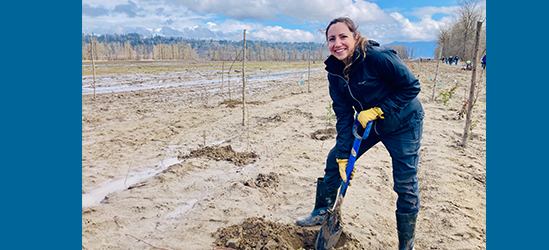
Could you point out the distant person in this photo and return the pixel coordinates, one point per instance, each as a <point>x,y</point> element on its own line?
<point>373,83</point>
<point>483,61</point>
<point>451,60</point>
<point>456,59</point>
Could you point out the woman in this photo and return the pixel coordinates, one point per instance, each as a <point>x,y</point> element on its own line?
<point>373,82</point>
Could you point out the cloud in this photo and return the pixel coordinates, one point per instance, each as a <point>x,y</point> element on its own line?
<point>232,29</point>
<point>268,10</point>
<point>225,19</point>
<point>423,30</point>
<point>279,34</point>
<point>405,30</point>
<point>237,9</point>
<point>87,10</point>
<point>130,9</point>
<point>428,12</point>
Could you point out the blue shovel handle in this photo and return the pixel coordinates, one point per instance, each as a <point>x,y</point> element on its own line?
<point>354,152</point>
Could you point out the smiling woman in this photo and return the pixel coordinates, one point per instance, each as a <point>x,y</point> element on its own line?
<point>369,85</point>
<point>341,41</point>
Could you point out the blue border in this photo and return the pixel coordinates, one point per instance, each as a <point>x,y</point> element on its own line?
<point>516,128</point>
<point>41,121</point>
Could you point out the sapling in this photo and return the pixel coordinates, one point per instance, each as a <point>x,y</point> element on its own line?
<point>330,115</point>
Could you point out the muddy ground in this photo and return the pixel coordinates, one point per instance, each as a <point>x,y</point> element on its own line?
<point>178,169</point>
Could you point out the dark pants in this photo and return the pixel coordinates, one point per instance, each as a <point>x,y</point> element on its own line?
<point>403,146</point>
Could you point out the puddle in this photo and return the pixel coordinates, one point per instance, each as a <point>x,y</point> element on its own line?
<point>112,85</point>
<point>95,197</point>
<point>218,142</point>
<point>181,210</point>
<point>88,89</point>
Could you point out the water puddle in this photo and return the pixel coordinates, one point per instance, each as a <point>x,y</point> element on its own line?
<point>116,85</point>
<point>181,210</point>
<point>95,197</point>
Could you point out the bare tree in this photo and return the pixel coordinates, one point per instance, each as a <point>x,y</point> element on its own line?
<point>401,50</point>
<point>443,40</point>
<point>469,12</point>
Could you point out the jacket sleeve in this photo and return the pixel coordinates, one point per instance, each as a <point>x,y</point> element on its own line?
<point>345,118</point>
<point>401,79</point>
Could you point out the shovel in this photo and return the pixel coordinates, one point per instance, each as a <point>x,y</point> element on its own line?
<point>332,226</point>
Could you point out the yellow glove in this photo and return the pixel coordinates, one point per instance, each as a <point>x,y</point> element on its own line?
<point>369,115</point>
<point>342,168</point>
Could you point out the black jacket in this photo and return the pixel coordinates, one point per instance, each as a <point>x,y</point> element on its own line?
<point>381,80</point>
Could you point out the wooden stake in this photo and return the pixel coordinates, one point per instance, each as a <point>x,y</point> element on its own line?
<point>309,74</point>
<point>473,86</point>
<point>244,81</point>
<point>436,72</point>
<point>222,79</point>
<point>93,64</point>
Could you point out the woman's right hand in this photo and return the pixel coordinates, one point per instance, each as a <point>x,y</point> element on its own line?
<point>343,170</point>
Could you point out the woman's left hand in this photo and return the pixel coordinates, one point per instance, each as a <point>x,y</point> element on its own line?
<point>369,115</point>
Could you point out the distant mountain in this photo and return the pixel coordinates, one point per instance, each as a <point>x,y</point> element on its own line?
<point>130,30</point>
<point>427,49</point>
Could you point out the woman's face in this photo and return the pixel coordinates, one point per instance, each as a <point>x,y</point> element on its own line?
<point>341,40</point>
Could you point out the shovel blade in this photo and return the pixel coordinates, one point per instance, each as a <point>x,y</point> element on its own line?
<point>331,229</point>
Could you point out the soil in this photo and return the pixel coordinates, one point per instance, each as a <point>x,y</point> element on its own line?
<point>214,183</point>
<point>223,153</point>
<point>259,233</point>
<point>324,134</point>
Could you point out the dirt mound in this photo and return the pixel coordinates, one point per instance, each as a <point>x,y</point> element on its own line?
<point>264,180</point>
<point>233,103</point>
<point>273,119</point>
<point>259,233</point>
<point>225,153</point>
<point>324,134</point>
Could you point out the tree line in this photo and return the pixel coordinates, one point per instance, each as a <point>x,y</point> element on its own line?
<point>457,39</point>
<point>136,47</point>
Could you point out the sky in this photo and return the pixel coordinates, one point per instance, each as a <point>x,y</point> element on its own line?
<point>385,21</point>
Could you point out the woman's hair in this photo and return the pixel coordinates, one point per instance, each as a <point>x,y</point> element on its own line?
<point>360,40</point>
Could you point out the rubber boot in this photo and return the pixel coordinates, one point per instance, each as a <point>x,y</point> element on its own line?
<point>406,225</point>
<point>325,198</point>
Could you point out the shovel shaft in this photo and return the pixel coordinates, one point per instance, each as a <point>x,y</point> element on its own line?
<point>331,229</point>
<point>354,152</point>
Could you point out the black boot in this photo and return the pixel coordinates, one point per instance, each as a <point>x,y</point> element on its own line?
<point>325,198</point>
<point>406,225</point>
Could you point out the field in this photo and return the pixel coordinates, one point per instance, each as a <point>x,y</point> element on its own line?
<point>168,164</point>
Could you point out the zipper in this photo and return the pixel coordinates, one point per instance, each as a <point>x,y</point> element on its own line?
<point>349,88</point>
<point>350,92</point>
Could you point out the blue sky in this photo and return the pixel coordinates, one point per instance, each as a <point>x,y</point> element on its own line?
<point>385,21</point>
